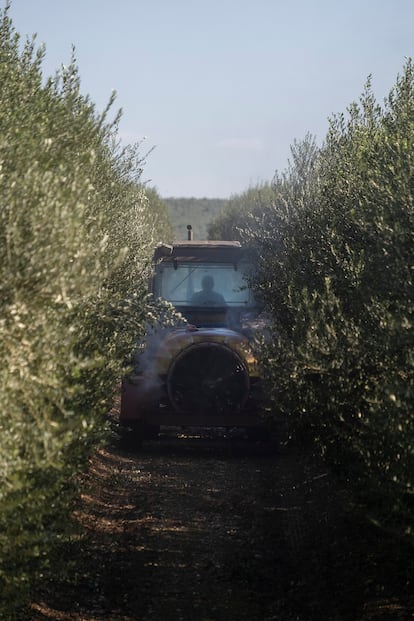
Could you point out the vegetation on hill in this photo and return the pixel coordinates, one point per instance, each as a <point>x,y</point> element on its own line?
<point>240,212</point>
<point>195,211</point>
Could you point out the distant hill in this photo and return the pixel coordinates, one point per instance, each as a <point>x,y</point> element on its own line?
<point>195,211</point>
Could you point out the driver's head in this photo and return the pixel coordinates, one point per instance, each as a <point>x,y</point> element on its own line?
<point>207,283</point>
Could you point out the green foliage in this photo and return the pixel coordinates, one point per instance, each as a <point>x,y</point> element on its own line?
<point>76,232</point>
<point>195,211</point>
<point>242,212</point>
<point>337,276</point>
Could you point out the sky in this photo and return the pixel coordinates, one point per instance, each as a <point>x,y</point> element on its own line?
<point>216,91</point>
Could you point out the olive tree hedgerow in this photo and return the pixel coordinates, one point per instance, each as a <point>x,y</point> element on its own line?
<point>337,274</point>
<point>75,234</point>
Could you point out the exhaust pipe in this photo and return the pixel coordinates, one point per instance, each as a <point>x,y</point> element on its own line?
<point>189,232</point>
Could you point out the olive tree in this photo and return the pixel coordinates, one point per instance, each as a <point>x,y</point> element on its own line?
<point>76,229</point>
<point>337,276</point>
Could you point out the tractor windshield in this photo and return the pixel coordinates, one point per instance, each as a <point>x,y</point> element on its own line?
<point>204,285</point>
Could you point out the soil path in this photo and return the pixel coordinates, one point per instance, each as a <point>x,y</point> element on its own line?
<point>210,528</point>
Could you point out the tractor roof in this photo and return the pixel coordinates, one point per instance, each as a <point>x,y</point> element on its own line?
<point>200,251</point>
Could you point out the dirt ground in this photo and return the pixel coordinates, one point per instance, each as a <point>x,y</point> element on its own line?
<point>204,526</point>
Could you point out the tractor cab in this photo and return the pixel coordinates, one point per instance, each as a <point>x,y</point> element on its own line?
<point>206,281</point>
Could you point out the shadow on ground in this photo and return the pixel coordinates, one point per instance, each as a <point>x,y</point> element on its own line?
<point>203,527</point>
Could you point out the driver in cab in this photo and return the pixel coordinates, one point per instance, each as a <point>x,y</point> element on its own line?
<point>207,296</point>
